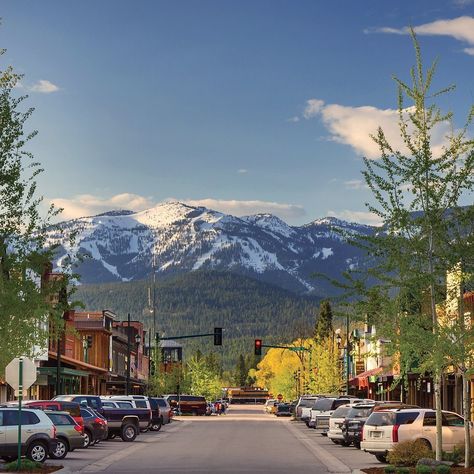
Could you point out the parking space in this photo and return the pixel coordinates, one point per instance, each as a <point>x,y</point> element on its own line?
<point>350,456</point>
<point>105,452</point>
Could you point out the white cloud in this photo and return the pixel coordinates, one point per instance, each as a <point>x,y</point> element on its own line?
<point>44,87</point>
<point>242,171</point>
<point>294,119</point>
<point>353,126</point>
<point>243,208</point>
<point>461,28</point>
<point>88,205</point>
<point>361,217</point>
<point>313,108</point>
<point>356,184</point>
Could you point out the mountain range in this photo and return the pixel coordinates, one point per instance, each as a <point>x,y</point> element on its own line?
<point>176,238</point>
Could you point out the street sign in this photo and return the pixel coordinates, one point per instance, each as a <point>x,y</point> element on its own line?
<point>280,397</point>
<point>12,373</point>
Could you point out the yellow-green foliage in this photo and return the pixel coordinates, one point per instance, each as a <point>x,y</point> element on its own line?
<point>408,453</point>
<point>320,372</point>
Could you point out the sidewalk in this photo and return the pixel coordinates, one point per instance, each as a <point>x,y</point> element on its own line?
<point>335,457</point>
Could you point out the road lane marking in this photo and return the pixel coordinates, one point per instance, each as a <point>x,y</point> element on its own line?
<point>332,463</point>
<point>103,464</point>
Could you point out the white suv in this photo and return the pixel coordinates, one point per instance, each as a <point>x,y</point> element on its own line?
<point>384,429</point>
<point>325,407</point>
<point>38,434</point>
<point>303,407</point>
<point>335,424</point>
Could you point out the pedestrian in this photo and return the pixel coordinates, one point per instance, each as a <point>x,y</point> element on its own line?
<point>218,408</point>
<point>223,407</point>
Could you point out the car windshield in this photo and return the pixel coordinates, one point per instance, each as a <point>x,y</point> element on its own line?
<point>323,404</point>
<point>306,403</point>
<point>341,412</point>
<point>361,412</point>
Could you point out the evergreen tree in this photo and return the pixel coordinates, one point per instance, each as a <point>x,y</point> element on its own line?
<point>242,371</point>
<point>324,328</point>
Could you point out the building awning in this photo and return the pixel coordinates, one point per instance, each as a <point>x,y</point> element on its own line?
<point>63,371</point>
<point>363,379</point>
<point>80,363</point>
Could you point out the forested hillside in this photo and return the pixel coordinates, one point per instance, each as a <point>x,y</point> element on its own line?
<point>198,301</point>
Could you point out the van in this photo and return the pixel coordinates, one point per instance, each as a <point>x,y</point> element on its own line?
<point>192,404</point>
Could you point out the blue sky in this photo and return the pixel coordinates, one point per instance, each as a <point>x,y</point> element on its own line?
<point>247,106</point>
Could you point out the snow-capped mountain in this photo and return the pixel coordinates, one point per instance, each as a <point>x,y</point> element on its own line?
<point>122,245</point>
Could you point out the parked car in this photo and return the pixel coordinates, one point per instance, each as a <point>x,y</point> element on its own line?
<point>336,422</point>
<point>137,401</point>
<point>38,434</point>
<point>190,404</point>
<point>283,409</point>
<point>72,408</point>
<point>384,429</point>
<point>355,419</point>
<point>123,422</point>
<point>95,426</point>
<point>116,404</point>
<point>69,434</point>
<point>267,408</point>
<point>92,401</point>
<point>324,408</point>
<point>161,413</point>
<point>304,405</point>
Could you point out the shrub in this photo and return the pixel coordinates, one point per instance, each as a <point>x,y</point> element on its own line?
<point>456,456</point>
<point>26,465</point>
<point>404,470</point>
<point>443,469</point>
<point>423,469</point>
<point>408,453</point>
<point>390,469</point>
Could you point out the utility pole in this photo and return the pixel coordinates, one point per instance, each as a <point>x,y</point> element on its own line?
<point>347,354</point>
<point>58,365</point>
<point>129,356</point>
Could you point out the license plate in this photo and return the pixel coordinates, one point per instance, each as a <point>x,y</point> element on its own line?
<point>375,434</point>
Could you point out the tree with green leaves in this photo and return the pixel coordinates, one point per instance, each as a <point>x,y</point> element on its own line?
<point>418,191</point>
<point>28,309</point>
<point>324,329</point>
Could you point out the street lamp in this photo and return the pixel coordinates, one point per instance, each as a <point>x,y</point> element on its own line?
<point>338,340</point>
<point>138,339</point>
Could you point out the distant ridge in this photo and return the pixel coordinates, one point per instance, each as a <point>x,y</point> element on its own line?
<point>119,246</point>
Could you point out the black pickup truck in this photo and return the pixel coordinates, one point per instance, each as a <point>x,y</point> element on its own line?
<point>123,422</point>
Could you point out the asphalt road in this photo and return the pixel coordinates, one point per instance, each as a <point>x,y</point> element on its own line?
<point>246,440</point>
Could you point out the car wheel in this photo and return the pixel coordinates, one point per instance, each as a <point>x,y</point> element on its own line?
<point>156,425</point>
<point>61,450</point>
<point>37,452</point>
<point>345,444</point>
<point>129,432</point>
<point>381,458</point>
<point>335,441</point>
<point>88,439</point>
<point>426,443</point>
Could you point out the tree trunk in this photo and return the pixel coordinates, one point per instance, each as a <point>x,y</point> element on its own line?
<point>467,417</point>
<point>439,417</point>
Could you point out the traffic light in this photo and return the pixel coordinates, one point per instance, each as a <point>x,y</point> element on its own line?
<point>89,342</point>
<point>258,347</point>
<point>218,336</point>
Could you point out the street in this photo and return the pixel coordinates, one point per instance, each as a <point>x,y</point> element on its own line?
<point>246,440</point>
